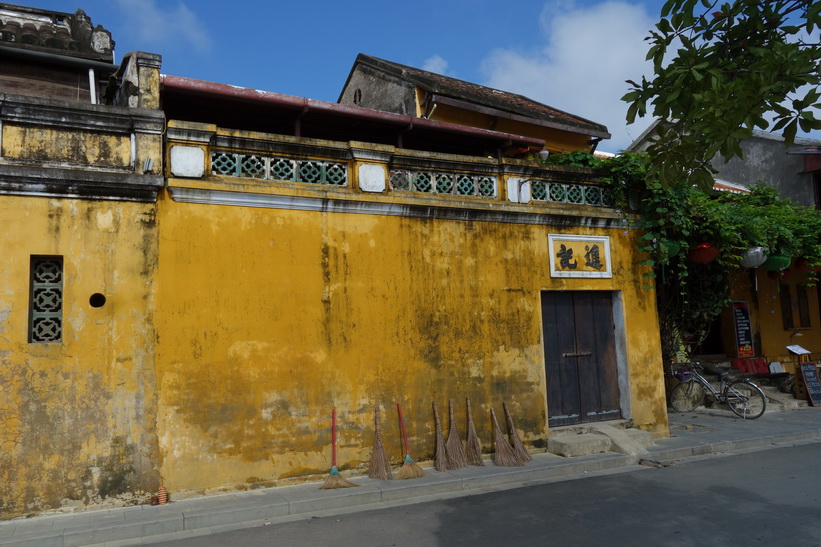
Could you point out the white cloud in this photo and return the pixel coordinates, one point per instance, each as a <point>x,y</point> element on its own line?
<point>581,68</point>
<point>166,25</point>
<point>435,64</point>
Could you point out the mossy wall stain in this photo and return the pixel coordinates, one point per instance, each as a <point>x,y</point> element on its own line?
<point>82,147</point>
<point>77,417</point>
<point>271,318</point>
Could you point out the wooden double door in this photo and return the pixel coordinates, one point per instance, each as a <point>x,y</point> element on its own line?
<point>580,357</point>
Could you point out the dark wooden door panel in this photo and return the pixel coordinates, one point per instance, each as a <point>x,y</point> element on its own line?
<point>599,375</point>
<point>562,391</point>
<point>580,357</point>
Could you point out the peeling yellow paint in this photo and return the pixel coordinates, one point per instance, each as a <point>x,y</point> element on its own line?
<point>62,405</point>
<point>84,147</point>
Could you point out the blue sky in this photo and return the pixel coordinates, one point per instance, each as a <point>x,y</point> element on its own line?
<point>571,55</point>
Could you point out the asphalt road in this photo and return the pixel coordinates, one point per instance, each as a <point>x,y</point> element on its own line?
<point>766,497</point>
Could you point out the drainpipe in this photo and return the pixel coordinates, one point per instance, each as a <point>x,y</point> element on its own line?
<point>92,86</point>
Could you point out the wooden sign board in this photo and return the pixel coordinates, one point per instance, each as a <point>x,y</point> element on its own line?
<point>579,256</point>
<point>808,380</point>
<point>743,332</point>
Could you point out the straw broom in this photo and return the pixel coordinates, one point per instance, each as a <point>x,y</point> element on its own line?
<point>515,441</point>
<point>335,480</point>
<point>380,467</point>
<point>455,451</point>
<point>503,455</point>
<point>474,447</point>
<point>410,469</point>
<point>440,460</point>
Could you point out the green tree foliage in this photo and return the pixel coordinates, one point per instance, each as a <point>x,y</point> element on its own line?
<point>733,66</point>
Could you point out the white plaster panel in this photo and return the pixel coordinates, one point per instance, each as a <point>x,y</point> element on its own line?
<point>372,178</point>
<point>518,190</point>
<point>187,161</point>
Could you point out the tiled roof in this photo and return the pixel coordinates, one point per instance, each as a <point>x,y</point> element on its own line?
<point>484,96</point>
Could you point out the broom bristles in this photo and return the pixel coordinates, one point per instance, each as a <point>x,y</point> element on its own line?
<point>503,454</point>
<point>380,466</point>
<point>440,459</point>
<point>515,441</point>
<point>474,447</point>
<point>409,470</point>
<point>335,480</point>
<point>455,451</point>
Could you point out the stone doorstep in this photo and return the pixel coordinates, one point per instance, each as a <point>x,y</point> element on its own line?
<point>777,401</point>
<point>597,438</point>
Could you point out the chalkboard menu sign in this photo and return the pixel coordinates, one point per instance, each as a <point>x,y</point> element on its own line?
<point>743,332</point>
<point>809,375</point>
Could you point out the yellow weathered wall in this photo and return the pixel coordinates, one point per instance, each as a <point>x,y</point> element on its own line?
<point>77,418</point>
<point>51,144</point>
<point>767,320</point>
<point>268,318</point>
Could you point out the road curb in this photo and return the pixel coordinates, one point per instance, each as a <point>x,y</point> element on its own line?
<point>206,515</point>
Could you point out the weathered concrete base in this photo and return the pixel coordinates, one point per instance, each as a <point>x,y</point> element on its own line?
<point>692,434</point>
<point>582,444</point>
<point>598,438</point>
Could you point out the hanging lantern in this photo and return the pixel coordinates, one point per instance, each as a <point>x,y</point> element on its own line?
<point>777,262</point>
<point>703,253</point>
<point>754,257</point>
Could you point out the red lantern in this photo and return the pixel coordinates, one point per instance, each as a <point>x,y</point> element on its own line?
<point>703,253</point>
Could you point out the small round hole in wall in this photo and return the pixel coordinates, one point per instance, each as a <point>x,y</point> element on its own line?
<point>97,300</point>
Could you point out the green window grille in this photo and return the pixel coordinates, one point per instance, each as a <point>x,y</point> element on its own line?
<point>46,306</point>
<point>460,184</point>
<point>538,190</point>
<point>444,184</point>
<point>400,180</point>
<point>581,194</point>
<point>232,164</point>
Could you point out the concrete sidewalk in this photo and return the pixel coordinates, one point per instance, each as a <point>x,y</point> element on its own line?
<point>692,434</point>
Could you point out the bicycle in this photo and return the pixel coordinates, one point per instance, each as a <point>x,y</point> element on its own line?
<point>744,397</point>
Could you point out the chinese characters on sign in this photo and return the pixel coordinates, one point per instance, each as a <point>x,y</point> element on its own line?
<point>579,256</point>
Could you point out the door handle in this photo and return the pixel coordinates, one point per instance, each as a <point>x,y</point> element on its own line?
<point>579,354</point>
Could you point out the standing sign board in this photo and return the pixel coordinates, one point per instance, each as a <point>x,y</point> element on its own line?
<point>743,332</point>
<point>808,376</point>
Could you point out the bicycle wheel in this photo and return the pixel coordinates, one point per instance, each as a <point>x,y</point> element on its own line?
<point>687,396</point>
<point>746,399</point>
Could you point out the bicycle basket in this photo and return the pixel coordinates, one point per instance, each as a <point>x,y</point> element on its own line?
<point>683,375</point>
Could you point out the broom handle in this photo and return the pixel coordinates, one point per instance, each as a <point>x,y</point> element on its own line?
<point>470,418</point>
<point>333,436</point>
<point>402,425</point>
